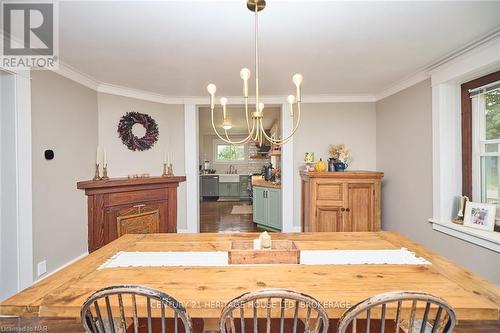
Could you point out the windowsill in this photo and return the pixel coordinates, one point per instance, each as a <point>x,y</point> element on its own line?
<point>486,239</point>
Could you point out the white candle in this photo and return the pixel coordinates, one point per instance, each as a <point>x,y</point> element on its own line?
<point>164,157</point>
<point>105,158</point>
<point>97,156</point>
<point>171,157</point>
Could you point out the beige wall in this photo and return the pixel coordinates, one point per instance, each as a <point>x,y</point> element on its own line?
<point>353,124</point>
<point>123,161</point>
<point>64,119</point>
<point>404,153</point>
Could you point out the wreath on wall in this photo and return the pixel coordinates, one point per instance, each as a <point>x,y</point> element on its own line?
<point>132,141</point>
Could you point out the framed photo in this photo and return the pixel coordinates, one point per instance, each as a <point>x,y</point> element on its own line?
<point>480,215</point>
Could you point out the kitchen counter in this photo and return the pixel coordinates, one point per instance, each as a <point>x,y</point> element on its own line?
<point>259,181</point>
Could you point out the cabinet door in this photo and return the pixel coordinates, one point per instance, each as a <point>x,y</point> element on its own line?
<point>330,218</point>
<point>259,205</point>
<point>361,206</point>
<point>223,189</point>
<point>234,189</point>
<point>273,197</point>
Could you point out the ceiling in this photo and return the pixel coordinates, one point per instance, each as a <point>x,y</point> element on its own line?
<point>236,114</point>
<point>176,48</point>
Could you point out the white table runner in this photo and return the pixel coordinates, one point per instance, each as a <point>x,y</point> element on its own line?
<point>307,257</point>
<point>173,258</point>
<point>361,257</point>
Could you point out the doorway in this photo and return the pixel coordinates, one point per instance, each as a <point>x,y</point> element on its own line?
<point>228,173</point>
<point>16,258</point>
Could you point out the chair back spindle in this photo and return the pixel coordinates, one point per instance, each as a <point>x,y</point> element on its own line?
<point>116,309</point>
<point>273,310</point>
<point>404,309</point>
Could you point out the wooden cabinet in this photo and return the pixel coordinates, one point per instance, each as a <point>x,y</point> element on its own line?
<point>267,207</point>
<point>341,201</point>
<point>118,206</point>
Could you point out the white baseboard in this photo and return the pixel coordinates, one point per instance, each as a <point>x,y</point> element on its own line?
<point>184,231</point>
<point>72,261</point>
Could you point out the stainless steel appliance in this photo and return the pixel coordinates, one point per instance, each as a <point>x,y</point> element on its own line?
<point>209,186</point>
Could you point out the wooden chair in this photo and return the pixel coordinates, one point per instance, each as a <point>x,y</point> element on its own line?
<point>278,310</point>
<point>130,309</point>
<point>371,314</point>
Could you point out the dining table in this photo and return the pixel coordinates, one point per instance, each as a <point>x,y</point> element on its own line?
<point>205,289</point>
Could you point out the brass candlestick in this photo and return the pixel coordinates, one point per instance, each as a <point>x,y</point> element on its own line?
<point>105,172</point>
<point>167,170</point>
<point>97,176</point>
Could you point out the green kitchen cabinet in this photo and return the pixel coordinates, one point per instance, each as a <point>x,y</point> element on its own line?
<point>267,207</point>
<point>229,190</point>
<point>244,181</point>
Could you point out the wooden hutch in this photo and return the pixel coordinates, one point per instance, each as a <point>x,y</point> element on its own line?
<point>140,205</point>
<point>341,201</point>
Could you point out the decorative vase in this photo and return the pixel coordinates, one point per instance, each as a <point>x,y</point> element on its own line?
<point>331,165</point>
<point>340,166</point>
<point>320,166</point>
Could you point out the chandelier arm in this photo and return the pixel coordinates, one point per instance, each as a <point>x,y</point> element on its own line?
<point>227,140</point>
<point>246,114</point>
<point>286,139</point>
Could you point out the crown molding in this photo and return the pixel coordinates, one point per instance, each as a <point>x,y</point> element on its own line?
<point>77,76</point>
<point>424,73</point>
<point>419,76</point>
<point>403,84</point>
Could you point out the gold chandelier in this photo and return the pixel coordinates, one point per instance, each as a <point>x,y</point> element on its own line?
<point>255,127</point>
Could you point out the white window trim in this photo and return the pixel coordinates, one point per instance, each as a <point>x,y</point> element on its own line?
<point>446,139</point>
<point>217,142</point>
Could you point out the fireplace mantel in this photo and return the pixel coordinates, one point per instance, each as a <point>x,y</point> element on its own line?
<point>110,199</point>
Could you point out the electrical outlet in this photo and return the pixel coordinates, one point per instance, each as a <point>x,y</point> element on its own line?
<point>42,268</point>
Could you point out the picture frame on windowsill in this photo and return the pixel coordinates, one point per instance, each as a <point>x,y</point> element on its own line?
<point>480,216</point>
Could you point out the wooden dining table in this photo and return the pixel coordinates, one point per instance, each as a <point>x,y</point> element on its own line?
<point>205,290</point>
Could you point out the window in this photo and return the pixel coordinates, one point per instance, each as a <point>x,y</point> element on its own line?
<point>481,139</point>
<point>486,144</point>
<point>229,153</point>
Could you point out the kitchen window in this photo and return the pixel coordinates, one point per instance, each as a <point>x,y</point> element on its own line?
<point>229,153</point>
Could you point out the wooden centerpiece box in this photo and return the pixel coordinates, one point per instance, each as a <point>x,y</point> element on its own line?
<point>281,252</point>
<point>341,201</point>
<point>140,205</point>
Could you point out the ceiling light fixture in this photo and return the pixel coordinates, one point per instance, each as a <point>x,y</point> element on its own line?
<point>256,131</point>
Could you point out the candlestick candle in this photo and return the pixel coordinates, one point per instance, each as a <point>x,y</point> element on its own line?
<point>97,156</point>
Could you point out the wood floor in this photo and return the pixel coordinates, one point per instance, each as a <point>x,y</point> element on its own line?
<point>216,217</point>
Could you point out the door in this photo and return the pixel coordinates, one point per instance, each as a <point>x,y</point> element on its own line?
<point>259,205</point>
<point>330,218</point>
<point>273,198</point>
<point>361,206</point>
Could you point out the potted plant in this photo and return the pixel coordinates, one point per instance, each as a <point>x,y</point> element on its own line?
<point>340,157</point>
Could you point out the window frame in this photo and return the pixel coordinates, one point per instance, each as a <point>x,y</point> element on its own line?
<point>219,142</point>
<point>467,130</point>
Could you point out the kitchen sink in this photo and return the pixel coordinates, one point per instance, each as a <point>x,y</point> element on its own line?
<point>229,178</point>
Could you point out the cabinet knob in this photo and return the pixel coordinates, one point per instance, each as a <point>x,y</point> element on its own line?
<point>348,209</point>
<point>342,209</point>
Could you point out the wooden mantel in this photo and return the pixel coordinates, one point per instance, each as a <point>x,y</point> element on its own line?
<point>110,200</point>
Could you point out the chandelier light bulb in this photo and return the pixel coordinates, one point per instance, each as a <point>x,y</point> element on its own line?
<point>223,101</point>
<point>245,74</point>
<point>211,88</point>
<point>291,99</point>
<point>261,106</point>
<point>227,125</point>
<point>297,79</point>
